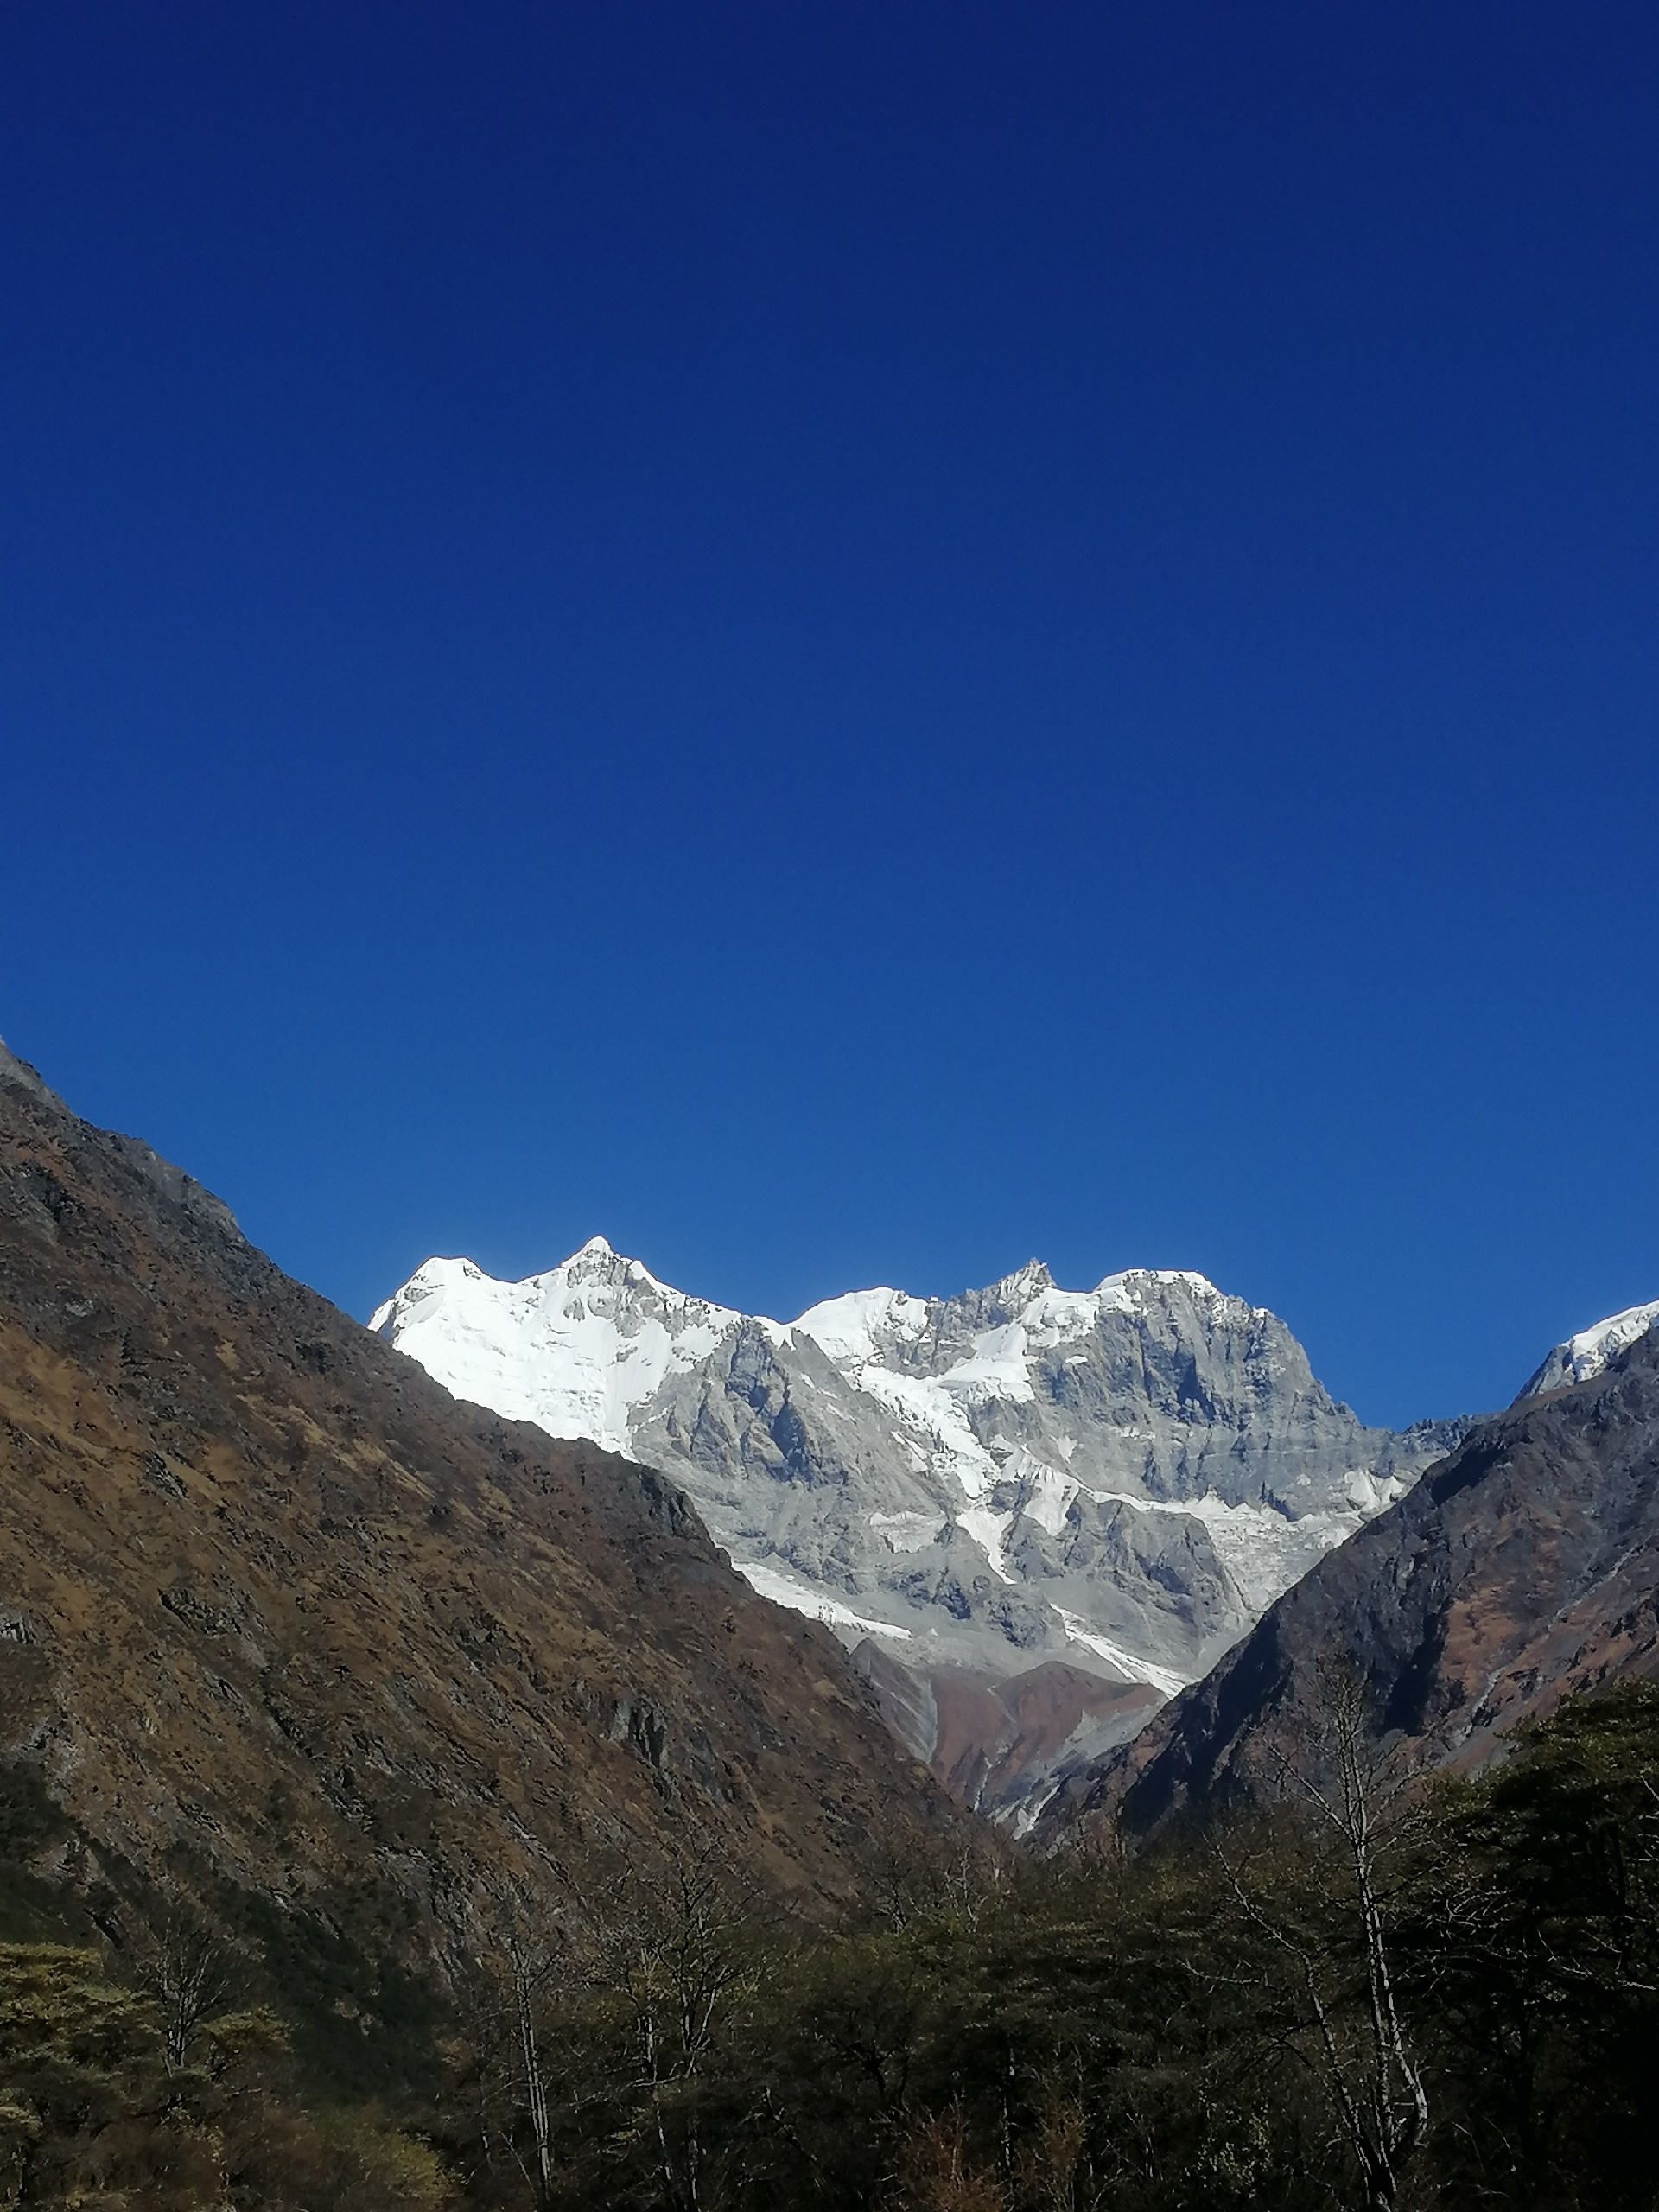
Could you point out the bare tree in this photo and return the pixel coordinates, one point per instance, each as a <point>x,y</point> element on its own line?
<point>508,1956</point>
<point>937,2174</point>
<point>1049,2168</point>
<point>1359,1794</point>
<point>188,1970</point>
<point>672,1953</point>
<point>527,1970</point>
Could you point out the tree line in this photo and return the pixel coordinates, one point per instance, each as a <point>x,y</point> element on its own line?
<point>1365,1990</point>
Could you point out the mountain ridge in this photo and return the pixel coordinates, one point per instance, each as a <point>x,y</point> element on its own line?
<point>1019,1478</point>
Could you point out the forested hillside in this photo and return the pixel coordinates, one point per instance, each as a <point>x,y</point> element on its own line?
<point>1388,1994</point>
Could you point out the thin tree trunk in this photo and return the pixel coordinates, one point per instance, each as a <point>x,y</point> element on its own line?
<point>541,2125</point>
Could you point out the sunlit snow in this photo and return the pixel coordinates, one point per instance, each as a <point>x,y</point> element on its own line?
<point>803,1597</point>
<point>1589,1353</point>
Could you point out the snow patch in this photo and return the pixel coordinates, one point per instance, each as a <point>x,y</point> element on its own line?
<point>1133,1668</point>
<point>816,1603</point>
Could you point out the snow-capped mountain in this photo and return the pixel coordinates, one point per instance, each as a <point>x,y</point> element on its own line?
<point>1589,1354</point>
<point>1112,1484</point>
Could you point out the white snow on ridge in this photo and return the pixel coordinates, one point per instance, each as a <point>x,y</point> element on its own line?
<point>957,1466</point>
<point>929,1415</point>
<point>907,1532</point>
<point>1262,1550</point>
<point>1048,1494</point>
<point>1589,1353</point>
<point>848,1329</point>
<point>861,1332</point>
<point>577,1350</point>
<point>580,1349</point>
<point>989,1530</point>
<point>856,1328</point>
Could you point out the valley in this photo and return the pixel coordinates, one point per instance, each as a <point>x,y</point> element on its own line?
<point>573,1746</point>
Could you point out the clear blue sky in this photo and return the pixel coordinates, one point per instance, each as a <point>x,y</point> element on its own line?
<point>852,642</point>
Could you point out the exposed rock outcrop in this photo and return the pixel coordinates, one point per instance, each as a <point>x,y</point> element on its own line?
<point>1521,1570</point>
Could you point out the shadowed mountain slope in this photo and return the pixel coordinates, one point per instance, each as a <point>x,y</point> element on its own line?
<point>1521,1569</point>
<point>284,1622</point>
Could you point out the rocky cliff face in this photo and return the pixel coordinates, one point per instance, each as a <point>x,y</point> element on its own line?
<point>1021,1484</point>
<point>285,1626</point>
<point>1523,1569</point>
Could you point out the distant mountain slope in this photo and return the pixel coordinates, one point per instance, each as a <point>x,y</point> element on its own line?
<point>1523,1568</point>
<point>280,1617</point>
<point>1020,1483</point>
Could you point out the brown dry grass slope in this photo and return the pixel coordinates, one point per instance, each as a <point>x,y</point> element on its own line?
<point>284,1623</point>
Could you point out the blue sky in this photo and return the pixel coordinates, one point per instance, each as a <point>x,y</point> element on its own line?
<point>851,643</point>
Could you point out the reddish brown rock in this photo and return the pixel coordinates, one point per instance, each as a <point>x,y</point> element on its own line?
<point>991,1739</point>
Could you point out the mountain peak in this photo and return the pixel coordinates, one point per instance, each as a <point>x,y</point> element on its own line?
<point>1029,1281</point>
<point>1590,1353</point>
